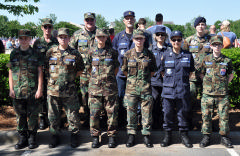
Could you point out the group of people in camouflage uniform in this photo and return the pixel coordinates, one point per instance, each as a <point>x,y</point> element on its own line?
<point>119,78</point>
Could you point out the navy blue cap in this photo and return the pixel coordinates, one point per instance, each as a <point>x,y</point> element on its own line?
<point>176,33</point>
<point>129,13</point>
<point>160,29</point>
<point>199,20</point>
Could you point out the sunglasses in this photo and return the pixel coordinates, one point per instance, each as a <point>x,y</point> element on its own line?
<point>47,27</point>
<point>160,34</point>
<point>216,45</point>
<point>89,19</point>
<point>174,40</point>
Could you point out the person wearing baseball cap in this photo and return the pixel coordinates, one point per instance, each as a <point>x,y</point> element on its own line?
<point>217,72</point>
<point>42,45</point>
<point>63,65</point>
<point>225,30</point>
<point>25,88</point>
<point>176,68</point>
<point>199,45</point>
<point>138,66</point>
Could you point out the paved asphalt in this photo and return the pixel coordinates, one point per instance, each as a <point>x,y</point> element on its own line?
<point>9,138</point>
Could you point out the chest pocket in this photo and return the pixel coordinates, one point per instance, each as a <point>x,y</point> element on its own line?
<point>185,62</point>
<point>32,65</point>
<point>15,65</point>
<point>223,69</point>
<point>122,48</point>
<point>69,62</point>
<point>168,79</point>
<point>52,64</point>
<point>108,61</point>
<point>146,62</point>
<point>82,43</point>
<point>209,68</point>
<point>132,67</point>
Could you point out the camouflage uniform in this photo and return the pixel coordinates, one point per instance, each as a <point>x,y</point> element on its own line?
<point>24,66</point>
<point>215,92</point>
<point>138,88</point>
<point>63,67</point>
<point>102,90</point>
<point>83,40</point>
<point>42,47</point>
<point>199,47</point>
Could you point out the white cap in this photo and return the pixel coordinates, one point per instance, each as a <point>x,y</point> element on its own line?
<point>225,23</point>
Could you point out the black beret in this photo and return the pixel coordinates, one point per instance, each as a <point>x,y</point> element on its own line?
<point>199,20</point>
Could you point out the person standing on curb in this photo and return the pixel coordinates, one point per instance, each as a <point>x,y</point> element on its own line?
<point>103,93</point>
<point>138,66</point>
<point>42,45</point>
<point>176,68</point>
<point>63,65</point>
<point>217,73</point>
<point>25,84</point>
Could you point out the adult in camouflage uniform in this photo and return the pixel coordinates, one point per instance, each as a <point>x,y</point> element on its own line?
<point>42,45</point>
<point>176,68</point>
<point>138,66</point>
<point>102,89</point>
<point>25,83</point>
<point>217,72</point>
<point>199,45</point>
<point>63,64</point>
<point>83,40</point>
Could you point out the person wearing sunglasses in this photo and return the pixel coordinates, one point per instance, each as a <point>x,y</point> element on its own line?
<point>158,48</point>
<point>176,68</point>
<point>42,45</point>
<point>217,72</point>
<point>138,66</point>
<point>103,92</point>
<point>83,40</point>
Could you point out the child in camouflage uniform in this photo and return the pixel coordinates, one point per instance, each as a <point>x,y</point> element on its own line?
<point>63,64</point>
<point>25,84</point>
<point>217,73</point>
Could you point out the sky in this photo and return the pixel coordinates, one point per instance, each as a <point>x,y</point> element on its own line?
<point>179,12</point>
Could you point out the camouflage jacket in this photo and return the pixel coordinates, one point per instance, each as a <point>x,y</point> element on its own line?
<point>139,70</point>
<point>62,68</point>
<point>216,71</point>
<point>82,41</point>
<point>103,64</point>
<point>199,47</point>
<point>24,66</point>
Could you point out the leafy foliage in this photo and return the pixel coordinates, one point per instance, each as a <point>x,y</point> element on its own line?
<point>4,87</point>
<point>72,28</point>
<point>19,10</point>
<point>101,22</point>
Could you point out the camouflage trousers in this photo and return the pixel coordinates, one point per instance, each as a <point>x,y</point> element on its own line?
<point>96,105</point>
<point>208,103</point>
<point>195,89</point>
<point>27,113</point>
<point>131,101</point>
<point>71,106</point>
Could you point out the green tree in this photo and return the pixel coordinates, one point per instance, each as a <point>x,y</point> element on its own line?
<point>101,22</point>
<point>32,27</point>
<point>72,28</point>
<point>19,9</point>
<point>12,28</point>
<point>53,17</point>
<point>119,25</point>
<point>3,25</point>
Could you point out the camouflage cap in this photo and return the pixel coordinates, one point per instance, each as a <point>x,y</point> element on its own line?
<point>24,32</point>
<point>63,31</point>
<point>101,32</point>
<point>216,39</point>
<point>89,15</point>
<point>138,33</point>
<point>46,21</point>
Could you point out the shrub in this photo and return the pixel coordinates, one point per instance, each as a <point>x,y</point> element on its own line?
<point>4,88</point>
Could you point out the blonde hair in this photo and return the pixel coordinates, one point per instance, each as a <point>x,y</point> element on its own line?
<point>225,28</point>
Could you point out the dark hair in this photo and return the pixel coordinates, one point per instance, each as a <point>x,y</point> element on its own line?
<point>142,21</point>
<point>111,31</point>
<point>159,17</point>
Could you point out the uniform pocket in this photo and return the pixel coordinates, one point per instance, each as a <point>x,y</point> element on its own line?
<point>132,68</point>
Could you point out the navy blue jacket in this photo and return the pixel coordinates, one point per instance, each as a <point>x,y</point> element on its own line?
<point>176,68</point>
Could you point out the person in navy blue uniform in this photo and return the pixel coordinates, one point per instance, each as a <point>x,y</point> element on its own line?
<point>158,48</point>
<point>123,42</point>
<point>176,68</point>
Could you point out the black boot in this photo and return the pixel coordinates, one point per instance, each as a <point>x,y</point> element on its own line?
<point>185,139</point>
<point>205,141</point>
<point>95,142</point>
<point>167,139</point>
<point>226,141</point>
<point>23,140</point>
<point>130,141</point>
<point>32,140</point>
<point>74,140</point>
<point>43,123</point>
<point>54,141</point>
<point>112,142</point>
<point>147,141</point>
